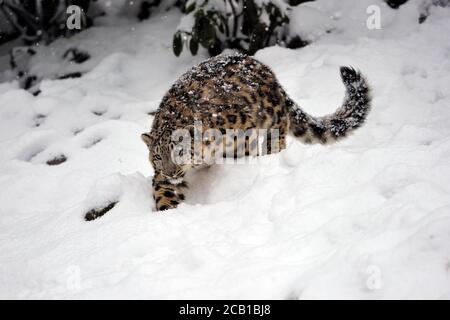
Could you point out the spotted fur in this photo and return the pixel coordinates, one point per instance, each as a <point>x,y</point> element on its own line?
<point>239,92</point>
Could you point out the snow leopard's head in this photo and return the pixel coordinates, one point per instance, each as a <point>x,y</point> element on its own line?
<point>165,155</point>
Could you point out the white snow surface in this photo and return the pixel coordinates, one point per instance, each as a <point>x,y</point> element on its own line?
<point>368,218</point>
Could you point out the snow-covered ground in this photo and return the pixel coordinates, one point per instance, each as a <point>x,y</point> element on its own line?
<point>367,218</point>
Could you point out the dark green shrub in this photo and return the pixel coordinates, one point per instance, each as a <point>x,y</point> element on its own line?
<point>246,25</point>
<point>41,19</point>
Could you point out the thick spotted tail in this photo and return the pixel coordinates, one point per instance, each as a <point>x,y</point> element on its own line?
<point>350,116</point>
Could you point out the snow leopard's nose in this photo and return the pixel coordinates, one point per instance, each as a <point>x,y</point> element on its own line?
<point>177,175</point>
<point>173,175</point>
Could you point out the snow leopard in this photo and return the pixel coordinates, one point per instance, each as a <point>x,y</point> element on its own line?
<point>236,91</point>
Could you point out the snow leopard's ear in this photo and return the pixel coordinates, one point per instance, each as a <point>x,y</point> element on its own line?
<point>147,138</point>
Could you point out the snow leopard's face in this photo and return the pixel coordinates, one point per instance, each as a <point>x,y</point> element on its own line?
<point>161,156</point>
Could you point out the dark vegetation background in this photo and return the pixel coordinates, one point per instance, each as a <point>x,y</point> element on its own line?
<point>239,26</point>
<point>244,25</point>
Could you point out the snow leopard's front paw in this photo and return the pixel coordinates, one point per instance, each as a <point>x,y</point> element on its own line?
<point>167,195</point>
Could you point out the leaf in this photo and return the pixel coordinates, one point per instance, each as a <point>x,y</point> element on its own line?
<point>193,46</point>
<point>190,8</point>
<point>204,31</point>
<point>258,38</point>
<point>177,44</point>
<point>250,19</point>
